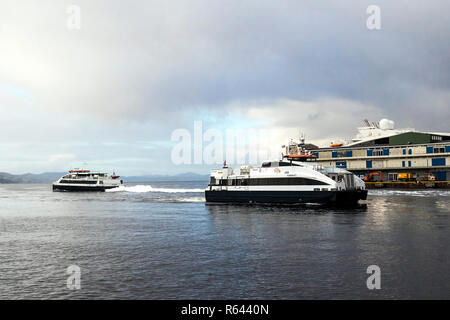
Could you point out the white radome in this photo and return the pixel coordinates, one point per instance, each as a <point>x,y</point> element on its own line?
<point>386,124</point>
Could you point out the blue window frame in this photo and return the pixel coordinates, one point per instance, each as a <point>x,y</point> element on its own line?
<point>430,150</point>
<point>410,151</point>
<point>404,151</point>
<point>385,152</point>
<point>349,154</point>
<point>316,154</point>
<point>409,163</point>
<point>440,176</point>
<point>403,164</point>
<point>341,164</point>
<point>438,162</point>
<point>447,148</point>
<point>369,164</point>
<point>369,153</point>
<point>334,154</point>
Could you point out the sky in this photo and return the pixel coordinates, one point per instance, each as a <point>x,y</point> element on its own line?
<point>110,94</point>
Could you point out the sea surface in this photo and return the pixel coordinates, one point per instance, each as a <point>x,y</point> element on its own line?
<point>159,240</point>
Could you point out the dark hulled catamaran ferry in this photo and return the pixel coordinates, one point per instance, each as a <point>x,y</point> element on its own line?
<point>296,178</point>
<point>86,180</point>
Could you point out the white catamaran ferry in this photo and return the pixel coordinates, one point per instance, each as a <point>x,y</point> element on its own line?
<point>296,178</point>
<point>86,180</point>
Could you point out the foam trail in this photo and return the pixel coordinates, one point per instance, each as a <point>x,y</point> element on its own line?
<point>149,188</point>
<point>197,199</point>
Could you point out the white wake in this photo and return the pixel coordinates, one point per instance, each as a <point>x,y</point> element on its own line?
<point>148,188</point>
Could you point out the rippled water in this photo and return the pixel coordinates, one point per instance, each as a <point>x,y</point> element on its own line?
<point>161,241</point>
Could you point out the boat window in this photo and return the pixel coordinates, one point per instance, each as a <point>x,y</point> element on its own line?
<point>266,165</point>
<point>284,181</point>
<point>79,181</point>
<point>212,181</point>
<point>285,164</point>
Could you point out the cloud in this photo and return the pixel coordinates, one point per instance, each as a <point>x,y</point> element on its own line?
<point>138,70</point>
<point>320,120</point>
<point>66,157</point>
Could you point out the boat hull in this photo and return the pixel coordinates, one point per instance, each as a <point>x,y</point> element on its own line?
<point>81,188</point>
<point>286,197</point>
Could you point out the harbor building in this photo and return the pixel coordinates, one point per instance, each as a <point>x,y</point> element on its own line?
<point>381,153</point>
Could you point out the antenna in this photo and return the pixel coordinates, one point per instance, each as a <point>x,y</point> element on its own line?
<point>302,137</point>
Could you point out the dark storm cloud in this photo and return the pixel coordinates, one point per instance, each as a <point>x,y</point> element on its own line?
<point>145,59</point>
<point>139,69</point>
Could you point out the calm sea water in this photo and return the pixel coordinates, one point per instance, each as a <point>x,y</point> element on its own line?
<point>161,241</point>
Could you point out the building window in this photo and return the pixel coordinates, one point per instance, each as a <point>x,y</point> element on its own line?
<point>377,153</point>
<point>369,153</point>
<point>403,164</point>
<point>429,149</point>
<point>369,164</point>
<point>341,164</point>
<point>404,151</point>
<point>409,163</point>
<point>341,154</point>
<point>410,151</point>
<point>439,150</point>
<point>438,162</point>
<point>440,176</point>
<point>436,138</point>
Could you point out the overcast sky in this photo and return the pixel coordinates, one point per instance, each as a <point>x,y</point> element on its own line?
<point>111,94</point>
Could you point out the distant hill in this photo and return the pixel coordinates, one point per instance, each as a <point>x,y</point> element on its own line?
<point>189,176</point>
<point>48,177</point>
<point>45,177</point>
